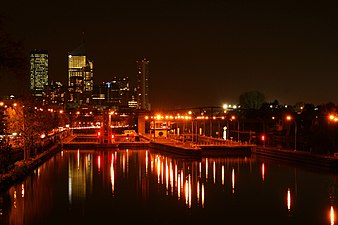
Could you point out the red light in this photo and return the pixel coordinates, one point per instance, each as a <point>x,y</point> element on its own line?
<point>112,136</point>
<point>263,137</point>
<point>99,133</point>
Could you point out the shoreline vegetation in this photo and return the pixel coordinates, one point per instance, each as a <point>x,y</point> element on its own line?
<point>23,168</point>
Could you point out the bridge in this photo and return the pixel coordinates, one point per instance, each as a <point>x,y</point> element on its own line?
<point>185,144</point>
<point>95,138</point>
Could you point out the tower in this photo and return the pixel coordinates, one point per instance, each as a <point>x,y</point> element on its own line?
<point>143,84</point>
<point>80,76</point>
<point>38,71</point>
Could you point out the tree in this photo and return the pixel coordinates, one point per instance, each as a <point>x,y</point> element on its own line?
<point>2,119</point>
<point>13,62</point>
<point>14,123</point>
<point>23,120</point>
<point>5,147</point>
<point>251,100</point>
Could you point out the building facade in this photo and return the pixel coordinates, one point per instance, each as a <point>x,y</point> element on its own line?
<point>114,94</point>
<point>142,85</point>
<point>80,77</point>
<point>55,95</point>
<point>38,71</point>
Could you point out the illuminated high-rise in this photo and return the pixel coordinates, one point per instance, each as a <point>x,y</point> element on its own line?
<point>80,76</point>
<point>38,71</point>
<point>143,84</point>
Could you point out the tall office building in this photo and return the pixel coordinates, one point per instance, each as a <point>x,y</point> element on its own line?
<point>54,94</point>
<point>124,91</point>
<point>80,76</point>
<point>143,84</point>
<point>38,71</point>
<point>113,96</point>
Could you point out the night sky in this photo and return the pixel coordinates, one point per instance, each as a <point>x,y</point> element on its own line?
<point>201,53</point>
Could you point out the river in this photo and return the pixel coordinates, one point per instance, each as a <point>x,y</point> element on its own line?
<point>148,187</point>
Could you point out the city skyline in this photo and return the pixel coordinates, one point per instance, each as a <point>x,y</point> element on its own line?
<point>201,52</point>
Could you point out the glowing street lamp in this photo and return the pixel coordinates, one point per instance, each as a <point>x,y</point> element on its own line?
<point>289,118</point>
<point>99,136</point>
<point>333,118</point>
<point>234,118</point>
<point>263,139</point>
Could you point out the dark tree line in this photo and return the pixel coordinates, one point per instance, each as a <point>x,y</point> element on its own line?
<point>311,125</point>
<point>14,64</point>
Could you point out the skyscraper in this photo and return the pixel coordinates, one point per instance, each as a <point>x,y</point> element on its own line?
<point>38,71</point>
<point>80,76</point>
<point>143,84</point>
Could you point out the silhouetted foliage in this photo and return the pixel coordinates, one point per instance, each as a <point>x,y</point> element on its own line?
<point>13,59</point>
<point>5,150</point>
<point>2,120</point>
<point>251,100</point>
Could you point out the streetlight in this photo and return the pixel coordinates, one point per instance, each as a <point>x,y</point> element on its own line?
<point>110,126</point>
<point>289,118</point>
<point>333,118</point>
<point>263,139</point>
<point>234,118</point>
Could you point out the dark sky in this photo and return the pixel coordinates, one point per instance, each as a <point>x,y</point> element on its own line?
<point>201,53</point>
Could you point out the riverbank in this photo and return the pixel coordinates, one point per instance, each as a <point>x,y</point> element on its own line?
<point>298,157</point>
<point>23,168</point>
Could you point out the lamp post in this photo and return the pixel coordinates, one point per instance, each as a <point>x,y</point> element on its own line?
<point>192,125</point>
<point>237,130</point>
<point>233,118</point>
<point>109,127</point>
<point>289,118</point>
<point>154,126</point>
<point>192,131</point>
<point>263,140</point>
<point>219,129</point>
<point>227,134</point>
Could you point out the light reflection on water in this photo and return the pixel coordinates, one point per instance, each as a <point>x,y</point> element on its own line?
<point>143,186</point>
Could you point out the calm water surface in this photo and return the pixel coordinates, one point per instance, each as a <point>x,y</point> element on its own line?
<point>147,187</point>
